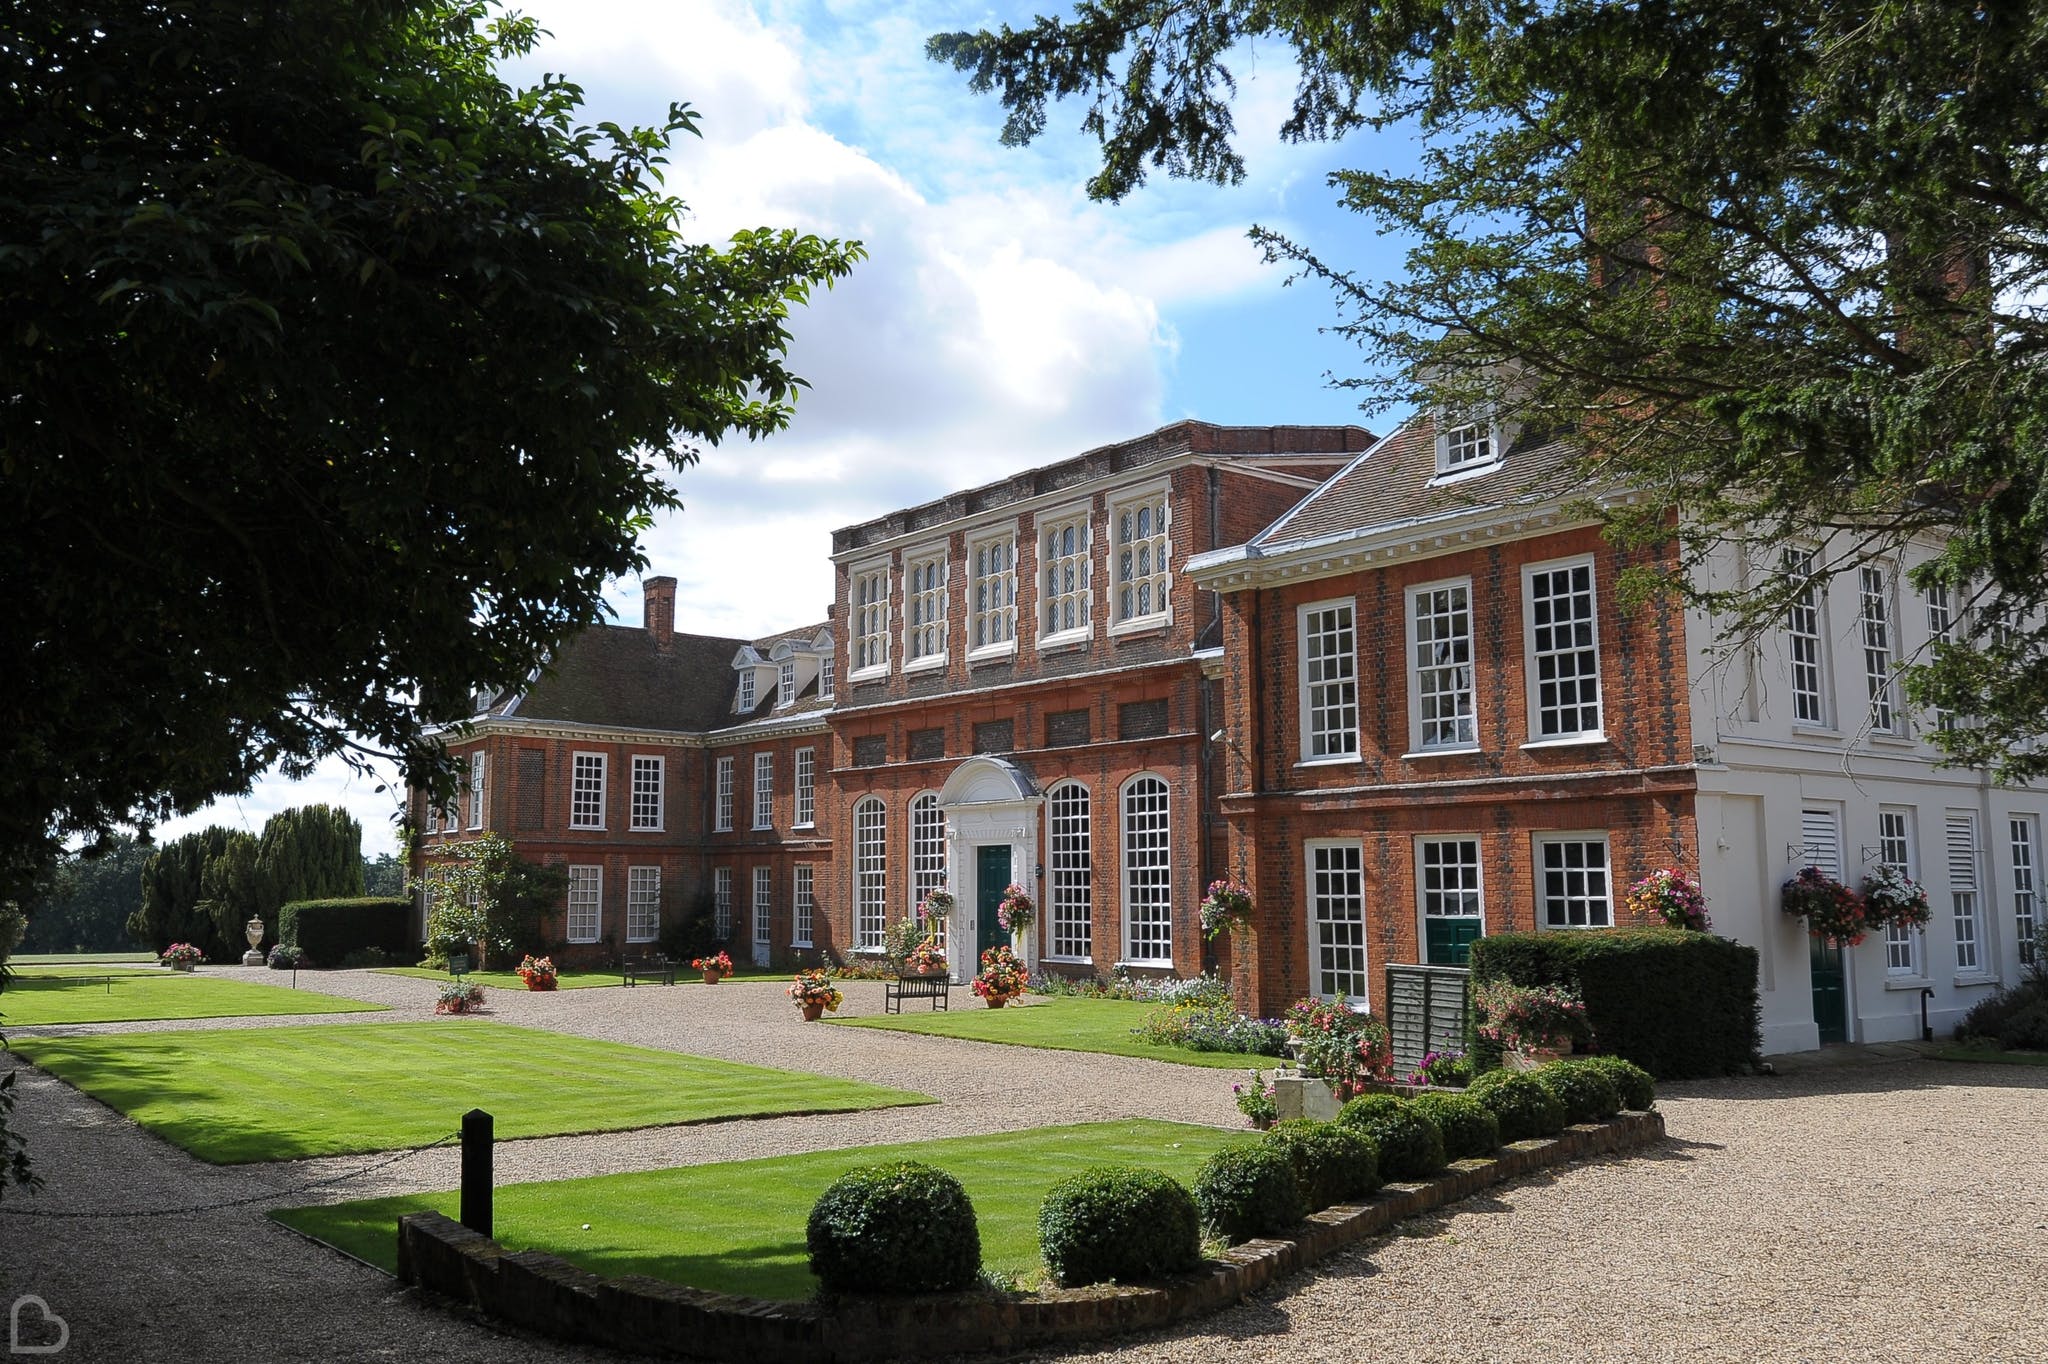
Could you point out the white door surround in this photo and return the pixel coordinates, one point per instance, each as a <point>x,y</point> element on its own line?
<point>989,800</point>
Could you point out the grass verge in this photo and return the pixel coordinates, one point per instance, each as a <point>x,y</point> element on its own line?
<point>1059,1023</point>
<point>238,1095</point>
<point>739,1227</point>
<point>572,980</point>
<point>1990,1056</point>
<point>34,998</point>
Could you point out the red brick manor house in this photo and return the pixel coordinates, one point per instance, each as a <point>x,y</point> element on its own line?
<point>1386,682</point>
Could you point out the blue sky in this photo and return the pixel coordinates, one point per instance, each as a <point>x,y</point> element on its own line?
<point>1002,320</point>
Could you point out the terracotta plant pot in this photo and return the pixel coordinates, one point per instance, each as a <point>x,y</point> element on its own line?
<point>813,1012</point>
<point>997,1001</point>
<point>541,983</point>
<point>1529,1058</point>
<point>713,977</point>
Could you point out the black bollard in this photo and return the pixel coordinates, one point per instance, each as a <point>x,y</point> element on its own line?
<point>476,1171</point>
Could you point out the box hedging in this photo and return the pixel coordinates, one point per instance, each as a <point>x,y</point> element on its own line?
<point>328,930</point>
<point>1680,1005</point>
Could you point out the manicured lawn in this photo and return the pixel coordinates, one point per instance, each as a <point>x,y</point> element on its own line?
<point>230,1096</point>
<point>1991,1056</point>
<point>1062,1024</point>
<point>739,1228</point>
<point>33,998</point>
<point>576,980</point>
<point>80,958</point>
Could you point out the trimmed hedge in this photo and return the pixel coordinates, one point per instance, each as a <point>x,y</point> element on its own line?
<point>1410,1145</point>
<point>896,1228</point>
<point>1638,1091</point>
<point>1585,1093</point>
<point>1523,1107</point>
<point>1332,1163</point>
<point>1680,1005</point>
<point>1118,1222</point>
<point>1469,1127</point>
<point>1247,1191</point>
<point>328,930</point>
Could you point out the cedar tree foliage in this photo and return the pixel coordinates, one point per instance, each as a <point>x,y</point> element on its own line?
<point>336,378</point>
<point>1777,267</point>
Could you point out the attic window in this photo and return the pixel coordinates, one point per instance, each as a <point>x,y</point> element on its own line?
<point>1469,445</point>
<point>786,692</point>
<point>746,701</point>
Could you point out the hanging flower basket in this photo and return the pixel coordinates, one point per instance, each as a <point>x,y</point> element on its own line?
<point>1670,895</point>
<point>1016,912</point>
<point>1892,897</point>
<point>1226,909</point>
<point>1831,910</point>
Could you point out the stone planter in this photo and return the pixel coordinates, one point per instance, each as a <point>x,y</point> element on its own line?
<point>184,966</point>
<point>1304,1096</point>
<point>1529,1058</point>
<point>813,1012</point>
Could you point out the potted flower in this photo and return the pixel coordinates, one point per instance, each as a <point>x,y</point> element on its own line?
<point>1255,1101</point>
<point>1670,895</point>
<point>715,968</point>
<point>1343,1047</point>
<point>1002,977</point>
<point>1227,908</point>
<point>925,959</point>
<point>1532,1023</point>
<point>538,972</point>
<point>1892,897</point>
<point>181,956</point>
<point>1831,909</point>
<point>1443,1070</point>
<point>937,903</point>
<point>815,993</point>
<point>1016,912</point>
<point>459,997</point>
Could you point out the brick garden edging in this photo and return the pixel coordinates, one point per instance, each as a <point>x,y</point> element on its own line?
<point>547,1294</point>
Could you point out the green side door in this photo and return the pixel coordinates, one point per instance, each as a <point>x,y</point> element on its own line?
<point>991,879</point>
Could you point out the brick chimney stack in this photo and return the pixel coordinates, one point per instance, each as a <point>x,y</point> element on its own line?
<point>658,609</point>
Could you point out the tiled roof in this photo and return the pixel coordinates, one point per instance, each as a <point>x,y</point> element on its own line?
<point>614,676</point>
<point>1395,482</point>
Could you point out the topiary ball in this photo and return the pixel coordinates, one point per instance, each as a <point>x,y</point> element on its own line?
<point>1587,1095</point>
<point>1332,1163</point>
<point>1247,1191</point>
<point>2026,1030</point>
<point>1469,1128</point>
<point>1523,1107</point>
<point>1638,1089</point>
<point>1410,1145</point>
<point>1118,1222</point>
<point>896,1228</point>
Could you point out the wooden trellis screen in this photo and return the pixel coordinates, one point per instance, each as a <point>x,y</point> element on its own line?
<point>1426,1009</point>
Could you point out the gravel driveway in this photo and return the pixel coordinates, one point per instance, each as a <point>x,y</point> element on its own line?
<point>1879,1213</point>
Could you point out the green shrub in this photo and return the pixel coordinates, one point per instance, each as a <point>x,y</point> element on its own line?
<point>1523,1107</point>
<point>13,925</point>
<point>1586,1094</point>
<point>2026,1030</point>
<point>1638,1091</point>
<point>896,1228</point>
<point>1678,1004</point>
<point>1409,1144</point>
<point>1986,1020</point>
<point>1118,1222</point>
<point>1247,1191</point>
<point>1469,1127</point>
<point>326,931</point>
<point>1332,1163</point>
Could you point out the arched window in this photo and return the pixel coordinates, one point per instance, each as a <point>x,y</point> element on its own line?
<point>1148,875</point>
<point>870,872</point>
<point>1071,867</point>
<point>927,854</point>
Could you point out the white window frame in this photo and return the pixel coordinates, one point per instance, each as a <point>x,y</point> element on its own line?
<point>2023,841</point>
<point>1424,893</point>
<point>1156,576</point>
<point>785,684</point>
<point>1904,948</point>
<point>867,608</point>
<point>1806,623</point>
<point>992,614</point>
<point>870,873</point>
<point>1539,876</point>
<point>764,906</point>
<point>722,810</point>
<point>1412,602</point>
<point>589,897</point>
<point>1329,723</point>
<point>1070,873</point>
<point>1157,869</point>
<point>1535,655</point>
<point>721,904</point>
<point>828,670</point>
<point>764,790</point>
<point>803,904</point>
<point>645,793</point>
<point>1315,900</point>
<point>1055,565</point>
<point>926,578</point>
<point>1966,892</point>
<point>643,904</point>
<point>927,853</point>
<point>1454,448</point>
<point>1941,629</point>
<point>430,813</point>
<point>1874,629</point>
<point>744,700</point>
<point>579,816</point>
<point>478,767</point>
<point>806,789</point>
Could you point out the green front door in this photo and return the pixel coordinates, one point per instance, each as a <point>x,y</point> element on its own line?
<point>991,879</point>
<point>1830,997</point>
<point>1448,938</point>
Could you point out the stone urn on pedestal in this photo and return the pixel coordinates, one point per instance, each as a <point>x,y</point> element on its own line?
<point>253,930</point>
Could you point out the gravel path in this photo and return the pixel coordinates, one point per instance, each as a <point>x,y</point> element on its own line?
<point>1882,1213</point>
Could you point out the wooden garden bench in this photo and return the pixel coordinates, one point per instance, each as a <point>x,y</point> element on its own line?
<point>656,968</point>
<point>934,987</point>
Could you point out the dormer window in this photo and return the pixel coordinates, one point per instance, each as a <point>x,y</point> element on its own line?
<point>746,701</point>
<point>1466,445</point>
<point>825,670</point>
<point>786,685</point>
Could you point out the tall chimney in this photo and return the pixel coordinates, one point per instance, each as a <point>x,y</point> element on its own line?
<point>658,609</point>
